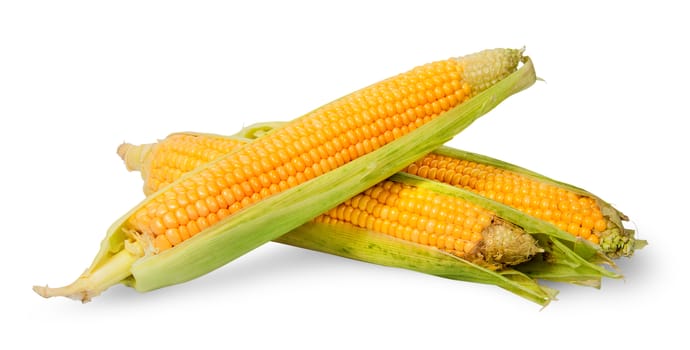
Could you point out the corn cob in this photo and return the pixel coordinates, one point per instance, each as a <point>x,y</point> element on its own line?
<point>448,223</point>
<point>297,172</point>
<point>571,209</point>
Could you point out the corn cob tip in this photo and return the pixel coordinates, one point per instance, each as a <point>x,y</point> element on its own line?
<point>485,68</point>
<point>616,239</point>
<point>133,155</point>
<point>123,148</point>
<point>505,244</point>
<point>619,242</point>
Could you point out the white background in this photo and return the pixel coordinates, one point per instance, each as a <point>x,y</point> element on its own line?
<point>79,77</point>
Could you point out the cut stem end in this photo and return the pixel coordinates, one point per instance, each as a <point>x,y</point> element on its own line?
<point>91,284</point>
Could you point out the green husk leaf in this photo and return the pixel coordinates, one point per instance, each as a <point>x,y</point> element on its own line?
<point>560,264</point>
<point>360,244</point>
<point>257,130</point>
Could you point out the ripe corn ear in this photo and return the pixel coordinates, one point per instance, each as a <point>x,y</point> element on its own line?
<point>570,208</point>
<point>296,172</point>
